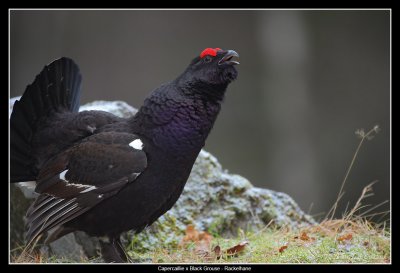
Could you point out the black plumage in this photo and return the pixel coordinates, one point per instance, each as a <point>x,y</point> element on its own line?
<point>102,174</point>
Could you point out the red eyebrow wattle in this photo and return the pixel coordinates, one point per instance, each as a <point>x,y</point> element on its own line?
<point>209,51</point>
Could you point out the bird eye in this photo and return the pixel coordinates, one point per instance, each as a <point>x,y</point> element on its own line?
<point>207,59</point>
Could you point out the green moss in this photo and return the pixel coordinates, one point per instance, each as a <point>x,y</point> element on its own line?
<point>165,233</point>
<point>215,227</point>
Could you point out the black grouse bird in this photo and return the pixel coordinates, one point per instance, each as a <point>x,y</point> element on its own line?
<point>103,174</point>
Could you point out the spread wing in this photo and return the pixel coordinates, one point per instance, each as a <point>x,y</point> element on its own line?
<point>83,176</point>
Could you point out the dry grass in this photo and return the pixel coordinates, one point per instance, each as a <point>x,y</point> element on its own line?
<point>332,241</point>
<point>350,239</point>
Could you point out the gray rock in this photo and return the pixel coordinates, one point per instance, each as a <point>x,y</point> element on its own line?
<point>19,204</point>
<point>213,200</point>
<point>221,203</point>
<point>68,248</point>
<point>11,104</point>
<point>118,108</point>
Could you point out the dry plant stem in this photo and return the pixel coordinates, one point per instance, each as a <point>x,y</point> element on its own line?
<point>367,189</point>
<point>340,194</point>
<point>263,229</point>
<point>27,251</point>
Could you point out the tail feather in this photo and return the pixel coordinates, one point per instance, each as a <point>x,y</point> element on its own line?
<point>55,89</point>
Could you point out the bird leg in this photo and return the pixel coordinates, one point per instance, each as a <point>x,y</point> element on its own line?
<point>112,250</point>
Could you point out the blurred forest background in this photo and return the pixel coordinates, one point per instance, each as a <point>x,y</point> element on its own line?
<point>308,79</point>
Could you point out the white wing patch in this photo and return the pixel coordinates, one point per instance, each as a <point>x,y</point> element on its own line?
<point>62,175</point>
<point>87,188</point>
<point>136,144</point>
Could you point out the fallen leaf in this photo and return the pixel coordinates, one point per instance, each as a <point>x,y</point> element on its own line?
<point>203,243</point>
<point>282,248</point>
<point>365,243</point>
<point>191,235</point>
<point>345,237</point>
<point>237,248</point>
<point>38,258</point>
<point>217,251</point>
<point>201,240</point>
<point>304,237</point>
<point>205,236</point>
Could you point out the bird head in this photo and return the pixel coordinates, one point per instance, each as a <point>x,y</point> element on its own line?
<point>213,67</point>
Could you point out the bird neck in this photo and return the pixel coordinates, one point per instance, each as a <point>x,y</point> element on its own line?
<point>213,92</point>
<point>175,122</point>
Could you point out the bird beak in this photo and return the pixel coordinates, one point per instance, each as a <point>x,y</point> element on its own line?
<point>227,59</point>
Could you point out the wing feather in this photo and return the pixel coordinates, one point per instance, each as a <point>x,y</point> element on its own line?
<point>82,177</point>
